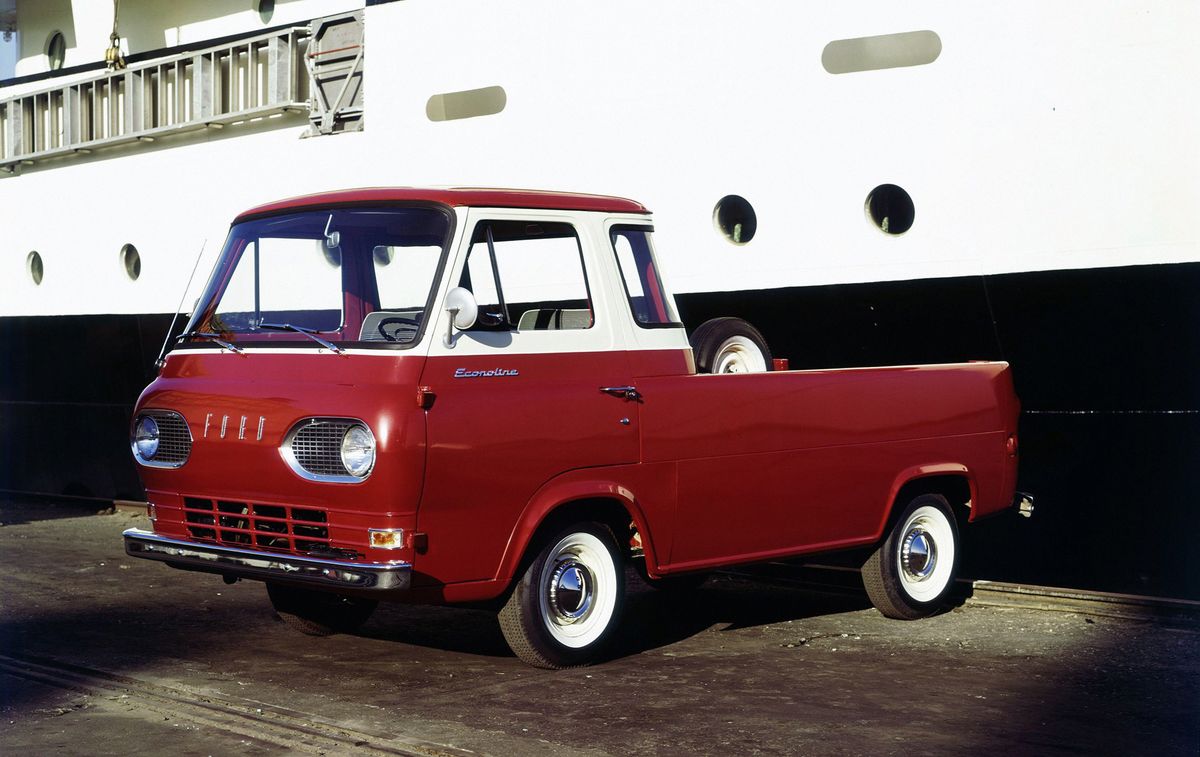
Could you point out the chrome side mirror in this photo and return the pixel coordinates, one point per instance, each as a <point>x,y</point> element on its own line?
<point>463,310</point>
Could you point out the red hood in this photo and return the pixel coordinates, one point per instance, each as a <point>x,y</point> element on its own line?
<point>277,389</point>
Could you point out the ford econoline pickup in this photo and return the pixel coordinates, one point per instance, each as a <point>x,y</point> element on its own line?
<point>486,397</point>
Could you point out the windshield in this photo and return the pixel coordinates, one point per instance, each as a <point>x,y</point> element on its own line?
<point>325,276</point>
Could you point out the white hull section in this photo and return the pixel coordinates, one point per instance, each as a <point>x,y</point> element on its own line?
<point>1056,143</point>
<point>1040,139</point>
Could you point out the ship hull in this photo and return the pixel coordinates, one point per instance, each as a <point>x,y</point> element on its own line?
<point>1104,362</point>
<point>1049,154</point>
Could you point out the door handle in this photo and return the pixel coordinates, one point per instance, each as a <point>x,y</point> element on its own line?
<point>623,392</point>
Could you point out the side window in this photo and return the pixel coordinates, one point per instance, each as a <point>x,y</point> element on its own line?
<point>528,276</point>
<point>635,257</point>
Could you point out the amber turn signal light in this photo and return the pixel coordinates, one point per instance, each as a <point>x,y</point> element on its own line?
<point>386,538</point>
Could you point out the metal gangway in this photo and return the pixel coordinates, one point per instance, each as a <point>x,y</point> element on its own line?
<point>314,69</point>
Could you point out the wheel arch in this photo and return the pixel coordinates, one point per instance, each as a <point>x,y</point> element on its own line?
<point>557,505</point>
<point>954,481</point>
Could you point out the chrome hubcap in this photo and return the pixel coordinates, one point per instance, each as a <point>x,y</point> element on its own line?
<point>571,591</point>
<point>733,362</point>
<point>918,555</point>
<point>739,355</point>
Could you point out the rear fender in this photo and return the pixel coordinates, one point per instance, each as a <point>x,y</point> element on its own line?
<point>915,474</point>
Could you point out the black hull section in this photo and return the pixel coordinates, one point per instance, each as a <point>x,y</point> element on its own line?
<point>1107,364</point>
<point>66,393</point>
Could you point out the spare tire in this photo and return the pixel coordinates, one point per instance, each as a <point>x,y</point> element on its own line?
<point>729,345</point>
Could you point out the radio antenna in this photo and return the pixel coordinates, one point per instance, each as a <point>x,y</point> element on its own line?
<point>167,339</point>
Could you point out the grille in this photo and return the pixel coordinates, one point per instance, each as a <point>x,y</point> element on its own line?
<point>317,446</point>
<point>174,439</point>
<point>246,524</point>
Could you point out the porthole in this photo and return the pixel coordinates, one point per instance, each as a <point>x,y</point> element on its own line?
<point>33,266</point>
<point>56,50</point>
<point>734,217</point>
<point>131,261</point>
<point>891,209</point>
<point>845,56</point>
<point>469,103</point>
<point>266,9</point>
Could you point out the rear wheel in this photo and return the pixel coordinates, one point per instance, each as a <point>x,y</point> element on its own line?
<point>729,345</point>
<point>319,613</point>
<point>565,607</point>
<point>912,572</point>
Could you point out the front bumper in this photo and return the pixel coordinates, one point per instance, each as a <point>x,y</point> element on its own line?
<point>265,566</point>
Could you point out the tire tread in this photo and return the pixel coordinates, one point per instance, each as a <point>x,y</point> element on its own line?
<point>518,623</point>
<point>711,334</point>
<point>879,579</point>
<point>315,613</point>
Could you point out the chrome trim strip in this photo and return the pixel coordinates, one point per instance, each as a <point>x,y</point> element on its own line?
<point>246,563</point>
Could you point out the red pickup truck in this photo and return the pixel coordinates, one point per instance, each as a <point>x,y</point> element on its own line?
<point>486,397</point>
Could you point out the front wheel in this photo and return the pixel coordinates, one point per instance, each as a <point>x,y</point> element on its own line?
<point>319,613</point>
<point>913,571</point>
<point>565,607</point>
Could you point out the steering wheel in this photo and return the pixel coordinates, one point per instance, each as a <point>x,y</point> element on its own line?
<point>390,328</point>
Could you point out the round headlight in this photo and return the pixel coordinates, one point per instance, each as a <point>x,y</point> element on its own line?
<point>145,438</point>
<point>358,451</point>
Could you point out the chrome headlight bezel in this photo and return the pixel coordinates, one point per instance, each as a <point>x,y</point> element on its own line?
<point>312,445</point>
<point>147,438</point>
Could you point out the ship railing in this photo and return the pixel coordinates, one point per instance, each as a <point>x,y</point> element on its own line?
<point>251,79</point>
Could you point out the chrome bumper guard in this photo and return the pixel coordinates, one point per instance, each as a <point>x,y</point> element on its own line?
<point>1024,504</point>
<point>245,563</point>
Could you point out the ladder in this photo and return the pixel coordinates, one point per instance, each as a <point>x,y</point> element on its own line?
<point>314,69</point>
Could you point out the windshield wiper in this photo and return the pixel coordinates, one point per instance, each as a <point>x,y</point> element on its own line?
<point>210,335</point>
<point>310,333</point>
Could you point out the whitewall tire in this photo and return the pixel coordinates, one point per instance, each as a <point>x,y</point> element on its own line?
<point>911,574</point>
<point>565,607</point>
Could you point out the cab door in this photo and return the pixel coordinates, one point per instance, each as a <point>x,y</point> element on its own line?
<point>518,397</point>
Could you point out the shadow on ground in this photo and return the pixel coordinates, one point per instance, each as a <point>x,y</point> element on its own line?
<point>28,509</point>
<point>746,664</point>
<point>652,619</point>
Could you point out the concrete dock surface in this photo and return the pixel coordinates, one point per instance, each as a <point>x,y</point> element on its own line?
<point>101,653</point>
